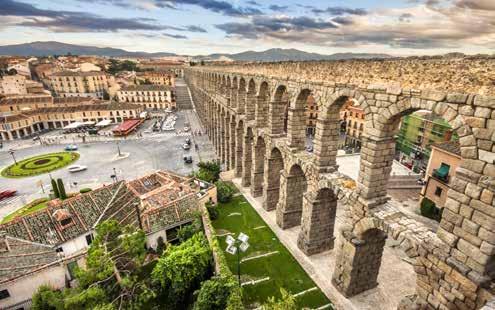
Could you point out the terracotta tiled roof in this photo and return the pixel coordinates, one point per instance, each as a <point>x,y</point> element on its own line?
<point>147,87</point>
<point>452,147</point>
<point>71,73</point>
<point>19,257</point>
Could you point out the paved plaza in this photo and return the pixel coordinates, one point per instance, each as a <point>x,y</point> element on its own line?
<point>151,152</point>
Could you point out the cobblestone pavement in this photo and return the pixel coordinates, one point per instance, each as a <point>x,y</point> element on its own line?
<point>396,278</point>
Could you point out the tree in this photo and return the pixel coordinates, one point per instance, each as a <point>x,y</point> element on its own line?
<point>61,189</point>
<point>181,269</point>
<point>47,298</point>
<point>208,171</point>
<point>160,245</point>
<point>112,274</point>
<point>225,191</point>
<point>56,193</point>
<point>214,294</point>
<point>187,231</point>
<point>286,302</point>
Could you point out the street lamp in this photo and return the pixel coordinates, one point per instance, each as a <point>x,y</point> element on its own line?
<point>118,148</point>
<point>233,247</point>
<point>11,152</point>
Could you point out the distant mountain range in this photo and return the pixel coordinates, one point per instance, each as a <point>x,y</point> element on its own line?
<point>275,54</point>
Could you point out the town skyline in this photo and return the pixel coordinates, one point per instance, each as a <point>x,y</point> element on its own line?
<point>398,28</point>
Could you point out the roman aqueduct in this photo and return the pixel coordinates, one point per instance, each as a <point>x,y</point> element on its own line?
<point>255,116</point>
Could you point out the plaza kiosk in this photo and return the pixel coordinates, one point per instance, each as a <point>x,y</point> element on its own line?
<point>127,127</point>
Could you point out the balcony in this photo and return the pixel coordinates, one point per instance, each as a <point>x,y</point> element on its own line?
<point>442,173</point>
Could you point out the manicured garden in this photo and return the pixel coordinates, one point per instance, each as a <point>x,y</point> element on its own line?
<point>39,164</point>
<point>267,263</point>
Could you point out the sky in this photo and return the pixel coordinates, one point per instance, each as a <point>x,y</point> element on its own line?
<point>200,27</point>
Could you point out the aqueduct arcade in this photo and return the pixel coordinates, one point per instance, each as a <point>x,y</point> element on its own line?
<point>257,125</point>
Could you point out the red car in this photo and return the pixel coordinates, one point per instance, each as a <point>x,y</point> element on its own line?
<point>7,194</point>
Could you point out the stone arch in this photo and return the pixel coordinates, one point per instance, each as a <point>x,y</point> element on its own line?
<point>227,139</point>
<point>232,143</point>
<point>239,147</point>
<point>296,128</point>
<point>227,91</point>
<point>293,185</point>
<point>274,164</point>
<point>234,92</point>
<point>248,157</point>
<point>318,221</point>
<point>278,111</point>
<point>262,105</point>
<point>328,125</point>
<point>258,167</point>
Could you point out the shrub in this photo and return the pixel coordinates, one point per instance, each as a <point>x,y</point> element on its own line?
<point>187,231</point>
<point>160,246</point>
<point>85,190</point>
<point>61,189</point>
<point>214,294</point>
<point>286,302</point>
<point>225,191</point>
<point>47,298</point>
<point>55,188</point>
<point>430,210</point>
<point>208,171</point>
<point>212,211</point>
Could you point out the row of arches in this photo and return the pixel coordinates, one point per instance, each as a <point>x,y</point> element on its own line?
<point>266,136</point>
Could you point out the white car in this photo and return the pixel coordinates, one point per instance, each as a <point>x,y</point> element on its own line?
<point>186,146</point>
<point>77,168</point>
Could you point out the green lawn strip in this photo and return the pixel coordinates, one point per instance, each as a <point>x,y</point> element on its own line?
<point>284,271</point>
<point>32,207</point>
<point>27,166</point>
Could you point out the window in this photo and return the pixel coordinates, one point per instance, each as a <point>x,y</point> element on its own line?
<point>438,191</point>
<point>66,221</point>
<point>59,250</point>
<point>89,239</point>
<point>4,294</point>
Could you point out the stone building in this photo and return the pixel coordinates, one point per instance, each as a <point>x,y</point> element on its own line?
<point>80,84</point>
<point>13,85</point>
<point>243,109</point>
<point>351,126</point>
<point>45,246</point>
<point>166,78</point>
<point>148,96</point>
<point>26,115</point>
<point>444,160</point>
<point>311,116</point>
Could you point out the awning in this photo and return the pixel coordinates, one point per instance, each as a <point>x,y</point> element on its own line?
<point>103,123</point>
<point>88,123</point>
<point>443,171</point>
<point>73,125</point>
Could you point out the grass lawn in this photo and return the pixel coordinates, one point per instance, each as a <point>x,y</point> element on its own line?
<point>31,207</point>
<point>39,164</point>
<point>282,269</point>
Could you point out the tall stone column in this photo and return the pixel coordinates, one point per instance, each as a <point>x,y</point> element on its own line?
<point>296,138</point>
<point>271,184</point>
<point>250,106</point>
<point>247,160</point>
<point>377,156</point>
<point>257,170</point>
<point>238,145</point>
<point>232,146</point>
<point>358,263</point>
<point>276,118</point>
<point>326,143</point>
<point>260,111</point>
<point>289,207</point>
<point>227,142</point>
<point>317,223</point>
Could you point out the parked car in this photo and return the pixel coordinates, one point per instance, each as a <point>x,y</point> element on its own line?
<point>186,146</point>
<point>7,193</point>
<point>71,147</point>
<point>77,168</point>
<point>188,159</point>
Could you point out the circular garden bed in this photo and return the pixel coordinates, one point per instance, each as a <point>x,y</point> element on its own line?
<point>40,164</point>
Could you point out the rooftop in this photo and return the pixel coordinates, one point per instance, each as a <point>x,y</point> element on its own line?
<point>452,147</point>
<point>147,87</point>
<point>72,73</point>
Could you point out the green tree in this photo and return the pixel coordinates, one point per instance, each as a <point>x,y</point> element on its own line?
<point>214,294</point>
<point>286,302</point>
<point>56,193</point>
<point>225,191</point>
<point>112,273</point>
<point>61,189</point>
<point>181,269</point>
<point>208,171</point>
<point>160,246</point>
<point>187,231</point>
<point>47,298</point>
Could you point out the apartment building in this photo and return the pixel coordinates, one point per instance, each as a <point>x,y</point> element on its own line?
<point>148,96</point>
<point>351,126</point>
<point>80,84</point>
<point>166,78</point>
<point>444,159</point>
<point>13,85</point>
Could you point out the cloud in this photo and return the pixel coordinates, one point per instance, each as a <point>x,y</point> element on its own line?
<point>405,17</point>
<point>217,6</point>
<point>174,36</point>
<point>337,10</point>
<point>484,5</point>
<point>71,21</point>
<point>278,8</point>
<point>253,3</point>
<point>265,26</point>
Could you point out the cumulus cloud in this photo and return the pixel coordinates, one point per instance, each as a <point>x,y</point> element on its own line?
<point>278,8</point>
<point>217,6</point>
<point>338,10</point>
<point>174,36</point>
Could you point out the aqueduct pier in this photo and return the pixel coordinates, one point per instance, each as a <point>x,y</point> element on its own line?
<point>255,116</point>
